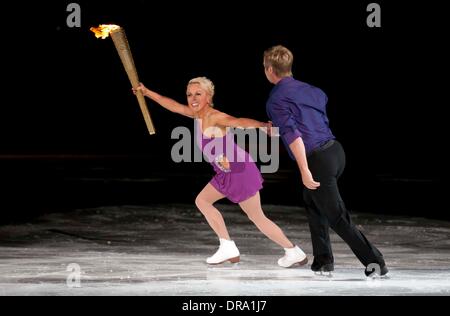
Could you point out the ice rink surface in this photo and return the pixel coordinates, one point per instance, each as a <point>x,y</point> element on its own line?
<point>161,250</point>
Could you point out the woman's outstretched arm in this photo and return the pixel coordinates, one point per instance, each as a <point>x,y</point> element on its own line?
<point>165,102</point>
<point>225,120</point>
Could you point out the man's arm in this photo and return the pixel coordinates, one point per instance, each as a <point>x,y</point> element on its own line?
<point>284,120</point>
<point>298,150</point>
<point>225,120</point>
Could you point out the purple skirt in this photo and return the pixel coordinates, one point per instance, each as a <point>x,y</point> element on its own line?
<point>240,183</point>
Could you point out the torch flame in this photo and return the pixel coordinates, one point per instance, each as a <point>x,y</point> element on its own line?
<point>103,30</point>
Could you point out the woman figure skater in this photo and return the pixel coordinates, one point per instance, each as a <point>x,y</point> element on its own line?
<point>237,178</point>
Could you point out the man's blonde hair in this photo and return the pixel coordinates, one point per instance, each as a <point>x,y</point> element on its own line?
<point>280,59</point>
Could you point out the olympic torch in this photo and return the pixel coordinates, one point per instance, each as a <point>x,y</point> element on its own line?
<point>123,48</point>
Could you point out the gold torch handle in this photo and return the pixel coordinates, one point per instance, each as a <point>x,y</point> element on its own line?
<point>123,48</point>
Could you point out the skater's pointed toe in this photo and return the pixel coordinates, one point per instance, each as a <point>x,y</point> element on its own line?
<point>293,256</point>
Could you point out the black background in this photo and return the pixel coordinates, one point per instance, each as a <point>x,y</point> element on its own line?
<point>72,134</point>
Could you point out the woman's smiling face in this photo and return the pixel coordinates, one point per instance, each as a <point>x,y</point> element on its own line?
<point>197,97</point>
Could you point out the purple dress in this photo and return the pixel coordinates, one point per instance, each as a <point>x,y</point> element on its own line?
<point>238,181</point>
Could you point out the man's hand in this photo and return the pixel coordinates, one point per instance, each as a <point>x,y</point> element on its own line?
<point>308,180</point>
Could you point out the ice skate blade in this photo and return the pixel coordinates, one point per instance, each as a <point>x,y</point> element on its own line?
<point>298,264</point>
<point>324,274</point>
<point>234,261</point>
<point>376,276</point>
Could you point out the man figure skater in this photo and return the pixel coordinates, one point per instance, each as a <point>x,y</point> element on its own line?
<point>299,111</point>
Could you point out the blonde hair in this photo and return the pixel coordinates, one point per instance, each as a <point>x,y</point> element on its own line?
<point>205,83</point>
<point>280,59</point>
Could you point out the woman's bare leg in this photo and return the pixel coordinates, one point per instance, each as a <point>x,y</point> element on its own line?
<point>204,201</point>
<point>252,207</point>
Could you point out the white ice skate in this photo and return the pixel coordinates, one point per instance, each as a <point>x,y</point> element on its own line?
<point>292,257</point>
<point>227,252</point>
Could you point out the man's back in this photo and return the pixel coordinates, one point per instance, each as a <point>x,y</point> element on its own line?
<point>297,105</point>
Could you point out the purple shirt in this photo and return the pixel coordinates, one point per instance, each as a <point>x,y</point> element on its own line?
<point>299,110</point>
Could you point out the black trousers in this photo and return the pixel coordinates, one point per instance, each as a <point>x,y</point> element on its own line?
<point>325,208</point>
